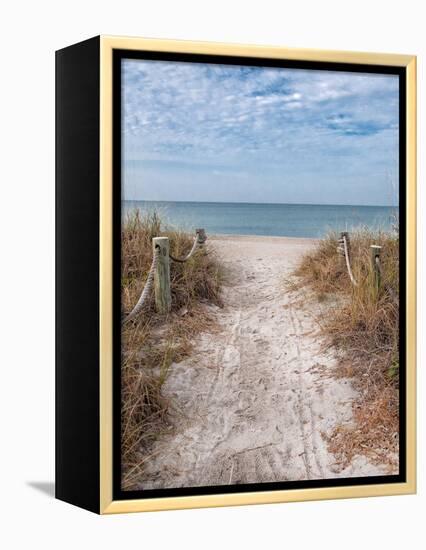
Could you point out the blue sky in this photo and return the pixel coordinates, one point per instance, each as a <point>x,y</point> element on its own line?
<point>205,132</point>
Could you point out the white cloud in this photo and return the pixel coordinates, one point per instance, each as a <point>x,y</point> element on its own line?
<point>277,119</point>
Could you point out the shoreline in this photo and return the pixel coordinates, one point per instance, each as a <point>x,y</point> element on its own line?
<point>142,201</point>
<point>261,238</point>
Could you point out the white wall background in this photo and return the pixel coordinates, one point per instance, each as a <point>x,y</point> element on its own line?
<point>30,32</point>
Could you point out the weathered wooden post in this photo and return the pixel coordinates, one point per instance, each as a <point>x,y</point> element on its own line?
<point>163,298</point>
<point>375,264</point>
<point>201,236</point>
<point>341,246</point>
<point>345,235</point>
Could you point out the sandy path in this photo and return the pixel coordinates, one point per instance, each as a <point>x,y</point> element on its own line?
<point>252,402</point>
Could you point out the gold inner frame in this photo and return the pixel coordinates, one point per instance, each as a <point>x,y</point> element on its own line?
<point>107,504</point>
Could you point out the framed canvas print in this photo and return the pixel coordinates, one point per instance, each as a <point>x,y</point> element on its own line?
<point>235,274</point>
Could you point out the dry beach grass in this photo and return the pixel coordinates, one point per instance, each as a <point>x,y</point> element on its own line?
<point>151,343</point>
<point>364,328</point>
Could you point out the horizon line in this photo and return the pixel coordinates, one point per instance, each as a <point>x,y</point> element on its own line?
<point>270,203</point>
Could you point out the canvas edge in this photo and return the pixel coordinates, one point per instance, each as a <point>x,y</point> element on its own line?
<point>107,504</point>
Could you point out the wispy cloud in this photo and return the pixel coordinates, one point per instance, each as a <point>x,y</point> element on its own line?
<point>302,136</point>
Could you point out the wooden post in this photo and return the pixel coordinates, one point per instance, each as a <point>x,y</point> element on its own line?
<point>345,234</point>
<point>341,247</point>
<point>163,299</point>
<point>375,259</point>
<point>201,236</point>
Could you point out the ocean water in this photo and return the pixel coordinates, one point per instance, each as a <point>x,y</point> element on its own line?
<point>289,220</point>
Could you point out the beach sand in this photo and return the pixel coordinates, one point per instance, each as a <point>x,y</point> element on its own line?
<point>255,398</point>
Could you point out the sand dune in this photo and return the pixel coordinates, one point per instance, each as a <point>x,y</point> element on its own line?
<point>253,402</point>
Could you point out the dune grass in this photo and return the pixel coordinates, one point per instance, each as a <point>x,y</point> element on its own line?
<point>364,328</point>
<point>151,343</point>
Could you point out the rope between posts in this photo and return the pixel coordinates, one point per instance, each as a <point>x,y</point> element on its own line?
<point>146,290</point>
<point>190,253</point>
<point>199,240</point>
<point>348,265</point>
